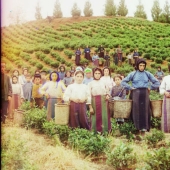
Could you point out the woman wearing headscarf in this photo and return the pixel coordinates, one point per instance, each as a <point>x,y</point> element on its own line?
<point>165,90</point>
<point>53,90</point>
<point>141,112</point>
<point>100,115</point>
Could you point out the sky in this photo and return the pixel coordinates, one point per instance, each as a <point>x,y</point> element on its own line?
<point>27,8</point>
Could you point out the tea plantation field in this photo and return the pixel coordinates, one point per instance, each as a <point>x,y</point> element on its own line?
<point>45,46</point>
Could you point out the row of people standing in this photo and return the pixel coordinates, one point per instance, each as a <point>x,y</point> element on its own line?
<point>101,53</point>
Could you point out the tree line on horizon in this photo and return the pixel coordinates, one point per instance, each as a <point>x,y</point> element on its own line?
<point>110,9</point>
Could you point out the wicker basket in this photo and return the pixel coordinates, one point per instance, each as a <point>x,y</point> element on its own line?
<point>18,116</point>
<point>122,108</point>
<point>111,105</point>
<point>156,106</point>
<point>61,114</point>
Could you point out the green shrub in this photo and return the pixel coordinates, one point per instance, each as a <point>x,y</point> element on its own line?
<point>121,157</point>
<point>156,122</point>
<point>51,128</point>
<point>153,65</point>
<point>154,137</point>
<point>88,142</point>
<point>55,64</point>
<point>158,160</point>
<point>147,56</point>
<point>158,60</point>
<point>168,59</point>
<point>34,118</point>
<point>39,66</point>
<point>84,61</point>
<point>128,129</point>
<point>154,95</point>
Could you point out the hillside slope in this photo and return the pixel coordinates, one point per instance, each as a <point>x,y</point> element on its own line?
<point>45,45</point>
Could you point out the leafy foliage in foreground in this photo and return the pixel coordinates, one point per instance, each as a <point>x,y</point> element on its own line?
<point>158,160</point>
<point>121,157</point>
<point>88,142</point>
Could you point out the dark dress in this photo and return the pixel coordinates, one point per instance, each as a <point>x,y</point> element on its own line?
<point>87,53</point>
<point>101,52</point>
<point>78,53</point>
<point>107,60</point>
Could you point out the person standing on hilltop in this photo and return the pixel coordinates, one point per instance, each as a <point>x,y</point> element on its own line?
<point>6,92</point>
<point>87,53</point>
<point>95,59</point>
<point>141,114</point>
<point>119,54</point>
<point>101,51</point>
<point>135,56</point>
<point>78,56</point>
<point>107,60</point>
<point>159,74</point>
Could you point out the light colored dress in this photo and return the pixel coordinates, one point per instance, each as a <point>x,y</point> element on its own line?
<point>165,120</point>
<point>100,120</point>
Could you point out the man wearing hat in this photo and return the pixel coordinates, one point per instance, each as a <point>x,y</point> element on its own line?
<point>140,95</point>
<point>88,76</point>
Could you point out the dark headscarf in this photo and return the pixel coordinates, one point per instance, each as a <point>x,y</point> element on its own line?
<point>141,60</point>
<point>58,78</point>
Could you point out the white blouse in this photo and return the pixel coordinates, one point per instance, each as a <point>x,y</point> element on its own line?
<point>165,85</point>
<point>17,89</point>
<point>77,91</point>
<point>98,87</point>
<point>108,81</point>
<point>53,89</point>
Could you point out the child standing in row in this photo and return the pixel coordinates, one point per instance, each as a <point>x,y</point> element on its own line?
<point>27,88</point>
<point>37,97</point>
<point>78,94</point>
<point>53,91</point>
<point>17,97</point>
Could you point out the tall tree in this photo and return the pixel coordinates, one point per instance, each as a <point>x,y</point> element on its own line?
<point>156,11</point>
<point>122,9</point>
<point>75,11</point>
<point>88,12</point>
<point>140,13</point>
<point>38,15</point>
<point>16,16</point>
<point>110,8</point>
<point>166,11</point>
<point>57,13</point>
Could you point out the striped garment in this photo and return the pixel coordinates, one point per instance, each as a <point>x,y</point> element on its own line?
<point>100,121</point>
<point>51,108</point>
<point>141,112</point>
<point>78,116</point>
<point>14,103</point>
<point>165,120</point>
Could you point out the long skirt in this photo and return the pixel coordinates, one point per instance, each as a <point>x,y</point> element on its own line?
<point>116,59</point>
<point>100,120</point>
<point>101,54</point>
<point>77,60</point>
<point>96,63</point>
<point>165,120</point>
<point>141,111</point>
<point>78,116</point>
<point>107,63</point>
<point>119,56</point>
<point>14,103</point>
<point>87,56</point>
<point>51,108</point>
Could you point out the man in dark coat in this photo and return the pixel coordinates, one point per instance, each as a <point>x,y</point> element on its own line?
<point>6,92</point>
